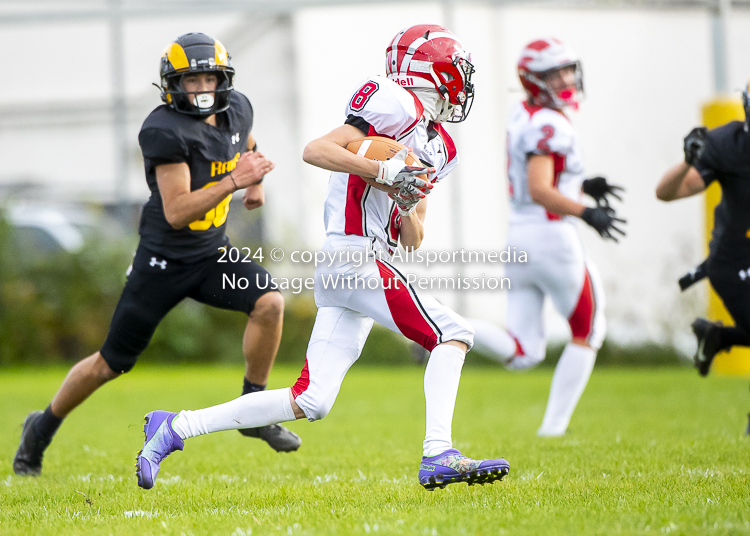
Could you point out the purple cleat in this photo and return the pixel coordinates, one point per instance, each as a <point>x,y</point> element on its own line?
<point>161,441</point>
<point>451,466</point>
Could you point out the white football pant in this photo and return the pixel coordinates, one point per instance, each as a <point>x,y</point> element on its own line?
<point>351,295</point>
<point>557,267</point>
<point>376,290</point>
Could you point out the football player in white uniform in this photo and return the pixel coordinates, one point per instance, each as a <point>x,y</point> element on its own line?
<point>370,205</point>
<point>546,176</point>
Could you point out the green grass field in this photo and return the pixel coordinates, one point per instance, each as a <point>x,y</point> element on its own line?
<point>649,451</point>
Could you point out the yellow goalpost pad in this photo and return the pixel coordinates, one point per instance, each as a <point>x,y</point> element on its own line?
<point>736,362</point>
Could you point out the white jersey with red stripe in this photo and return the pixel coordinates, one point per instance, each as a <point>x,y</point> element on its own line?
<point>543,131</point>
<point>384,108</point>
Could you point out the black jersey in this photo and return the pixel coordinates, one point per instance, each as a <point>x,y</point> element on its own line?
<point>726,158</point>
<point>169,137</point>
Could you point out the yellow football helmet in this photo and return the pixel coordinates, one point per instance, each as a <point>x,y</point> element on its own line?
<point>196,53</point>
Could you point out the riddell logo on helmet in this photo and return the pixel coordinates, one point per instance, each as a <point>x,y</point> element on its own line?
<point>406,81</point>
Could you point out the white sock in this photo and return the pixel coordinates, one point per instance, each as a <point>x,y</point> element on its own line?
<point>248,411</point>
<point>492,341</point>
<point>441,380</point>
<point>571,376</point>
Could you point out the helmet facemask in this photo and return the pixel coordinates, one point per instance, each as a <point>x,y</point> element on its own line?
<point>202,102</point>
<point>456,88</point>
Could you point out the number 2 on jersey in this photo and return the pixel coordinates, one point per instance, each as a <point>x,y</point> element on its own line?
<point>216,216</point>
<point>361,97</point>
<point>548,131</point>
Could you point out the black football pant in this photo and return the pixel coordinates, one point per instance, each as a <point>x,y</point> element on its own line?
<point>156,284</point>
<point>731,281</point>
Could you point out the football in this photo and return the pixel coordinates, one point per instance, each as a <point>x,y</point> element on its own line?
<point>381,148</point>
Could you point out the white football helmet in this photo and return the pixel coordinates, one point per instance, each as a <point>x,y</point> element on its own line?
<point>539,60</point>
<point>429,56</point>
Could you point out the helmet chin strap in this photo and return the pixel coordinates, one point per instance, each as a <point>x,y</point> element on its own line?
<point>436,108</point>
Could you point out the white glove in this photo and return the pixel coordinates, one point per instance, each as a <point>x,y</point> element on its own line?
<point>411,192</point>
<point>394,171</point>
<point>406,204</point>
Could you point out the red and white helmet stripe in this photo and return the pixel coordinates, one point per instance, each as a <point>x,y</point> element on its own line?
<point>404,58</point>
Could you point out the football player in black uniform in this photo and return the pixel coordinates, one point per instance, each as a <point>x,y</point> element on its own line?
<point>723,155</point>
<point>198,151</point>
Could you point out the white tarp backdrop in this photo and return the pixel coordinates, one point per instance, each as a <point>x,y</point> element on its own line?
<point>646,73</point>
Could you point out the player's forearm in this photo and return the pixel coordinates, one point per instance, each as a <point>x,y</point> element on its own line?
<point>189,207</point>
<point>253,197</point>
<point>553,201</point>
<point>331,156</point>
<point>412,231</point>
<point>668,188</point>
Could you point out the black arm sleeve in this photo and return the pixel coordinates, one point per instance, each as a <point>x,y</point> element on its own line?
<point>162,147</point>
<point>708,163</point>
<point>358,122</point>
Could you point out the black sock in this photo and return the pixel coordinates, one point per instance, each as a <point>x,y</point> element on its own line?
<point>250,387</point>
<point>47,424</point>
<point>733,336</point>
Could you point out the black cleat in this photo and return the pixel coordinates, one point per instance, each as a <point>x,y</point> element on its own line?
<point>708,337</point>
<point>28,460</point>
<point>747,432</point>
<point>280,438</point>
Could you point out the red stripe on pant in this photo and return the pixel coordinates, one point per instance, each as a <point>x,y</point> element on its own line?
<point>519,349</point>
<point>303,382</point>
<point>406,314</point>
<point>582,320</point>
<point>353,211</point>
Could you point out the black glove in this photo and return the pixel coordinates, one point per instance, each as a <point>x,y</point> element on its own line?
<point>598,188</point>
<point>693,276</point>
<point>695,142</point>
<point>603,219</point>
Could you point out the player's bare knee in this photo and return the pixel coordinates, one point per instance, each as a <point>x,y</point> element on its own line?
<point>269,309</point>
<point>298,413</point>
<point>461,345</point>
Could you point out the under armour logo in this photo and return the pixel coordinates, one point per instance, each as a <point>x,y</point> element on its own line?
<point>743,274</point>
<point>236,138</point>
<point>154,262</point>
